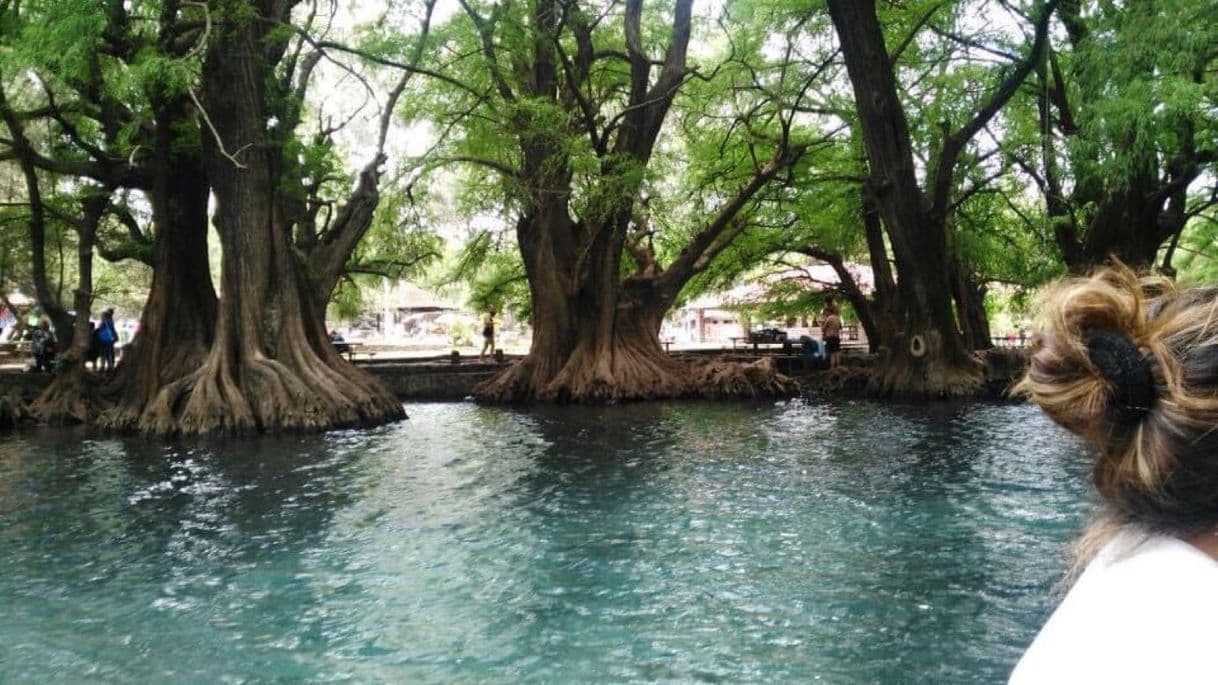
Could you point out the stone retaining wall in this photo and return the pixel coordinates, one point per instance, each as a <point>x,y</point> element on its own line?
<point>432,382</point>
<point>408,381</point>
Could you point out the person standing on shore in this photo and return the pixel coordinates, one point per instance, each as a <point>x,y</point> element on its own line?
<point>107,336</point>
<point>831,331</point>
<point>42,346</point>
<point>488,335</point>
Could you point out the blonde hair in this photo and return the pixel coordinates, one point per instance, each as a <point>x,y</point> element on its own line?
<point>1157,466</point>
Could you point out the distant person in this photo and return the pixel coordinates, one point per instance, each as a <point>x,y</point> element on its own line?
<point>811,349</point>
<point>107,336</point>
<point>340,344</point>
<point>42,346</point>
<point>831,331</point>
<point>1131,366</point>
<point>488,335</point>
<point>93,352</point>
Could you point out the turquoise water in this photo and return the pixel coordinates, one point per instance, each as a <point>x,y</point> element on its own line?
<point>846,543</point>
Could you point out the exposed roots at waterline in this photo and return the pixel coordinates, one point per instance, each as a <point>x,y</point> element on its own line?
<point>901,378</point>
<point>628,377</point>
<point>67,400</point>
<point>11,411</point>
<point>268,395</point>
<point>722,379</point>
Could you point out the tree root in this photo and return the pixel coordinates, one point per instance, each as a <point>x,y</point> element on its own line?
<point>718,379</point>
<point>512,385</point>
<point>135,386</point>
<point>67,400</point>
<point>850,380</point>
<point>896,379</point>
<point>269,395</point>
<point>637,377</point>
<point>11,411</point>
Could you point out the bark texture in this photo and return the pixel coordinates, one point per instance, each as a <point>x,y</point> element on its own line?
<point>270,366</point>
<point>179,318</point>
<point>596,324</point>
<point>929,356</point>
<point>69,397</point>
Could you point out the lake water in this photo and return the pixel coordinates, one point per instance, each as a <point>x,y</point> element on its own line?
<point>845,543</point>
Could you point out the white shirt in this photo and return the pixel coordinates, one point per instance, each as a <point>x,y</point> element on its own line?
<point>1144,611</point>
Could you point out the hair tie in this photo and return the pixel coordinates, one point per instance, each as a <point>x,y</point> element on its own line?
<point>1129,372</point>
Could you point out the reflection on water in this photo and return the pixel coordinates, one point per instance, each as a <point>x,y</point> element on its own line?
<point>737,542</point>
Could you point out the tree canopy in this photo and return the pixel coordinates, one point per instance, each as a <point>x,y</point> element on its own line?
<point>587,163</point>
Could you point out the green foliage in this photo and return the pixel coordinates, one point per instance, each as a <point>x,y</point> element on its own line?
<point>399,245</point>
<point>461,333</point>
<point>350,298</point>
<point>1197,252</point>
<point>1139,97</point>
<point>492,270</point>
<point>1140,82</point>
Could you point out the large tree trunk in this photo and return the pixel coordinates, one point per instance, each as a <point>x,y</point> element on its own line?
<point>929,357</point>
<point>1130,225</point>
<point>970,306</point>
<point>179,317</point>
<point>585,347</point>
<point>602,343</point>
<point>68,398</point>
<point>588,363</point>
<point>270,366</point>
<point>884,303</point>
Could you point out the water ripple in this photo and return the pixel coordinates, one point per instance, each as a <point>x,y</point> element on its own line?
<point>844,542</point>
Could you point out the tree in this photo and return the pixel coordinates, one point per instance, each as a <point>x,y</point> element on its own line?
<point>931,357</point>
<point>145,107</point>
<point>104,129</point>
<point>1124,121</point>
<point>270,365</point>
<point>566,104</point>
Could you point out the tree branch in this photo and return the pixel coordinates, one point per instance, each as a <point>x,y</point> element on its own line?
<point>485,28</point>
<point>691,259</point>
<point>954,144</point>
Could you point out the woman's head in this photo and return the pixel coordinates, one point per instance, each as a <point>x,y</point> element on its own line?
<point>1131,364</point>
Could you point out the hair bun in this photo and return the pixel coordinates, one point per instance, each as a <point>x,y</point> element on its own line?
<point>1129,372</point>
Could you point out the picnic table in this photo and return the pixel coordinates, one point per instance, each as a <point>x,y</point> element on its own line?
<point>756,343</point>
<point>15,348</point>
<point>348,348</point>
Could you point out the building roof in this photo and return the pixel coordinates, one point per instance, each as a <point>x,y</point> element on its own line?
<point>816,276</point>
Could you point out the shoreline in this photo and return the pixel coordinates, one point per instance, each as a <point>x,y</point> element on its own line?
<point>434,379</point>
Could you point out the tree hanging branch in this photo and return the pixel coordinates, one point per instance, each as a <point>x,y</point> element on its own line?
<point>216,134</point>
